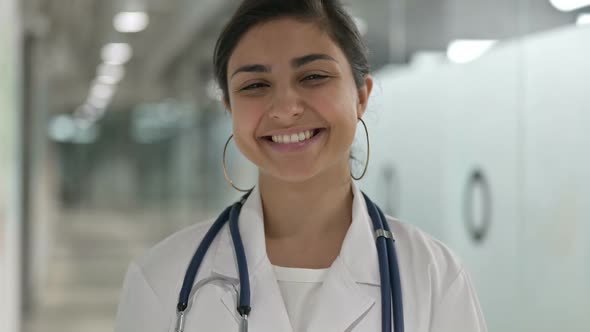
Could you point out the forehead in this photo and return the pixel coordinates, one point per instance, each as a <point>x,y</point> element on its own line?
<point>281,40</point>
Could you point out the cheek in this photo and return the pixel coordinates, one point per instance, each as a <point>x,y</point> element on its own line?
<point>344,119</point>
<point>245,123</point>
<point>337,107</point>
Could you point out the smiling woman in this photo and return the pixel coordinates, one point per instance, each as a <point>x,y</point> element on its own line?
<point>295,79</point>
<point>289,77</point>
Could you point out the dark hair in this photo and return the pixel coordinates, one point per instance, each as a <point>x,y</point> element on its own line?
<point>328,14</point>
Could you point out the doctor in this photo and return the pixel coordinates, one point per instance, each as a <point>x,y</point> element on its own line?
<point>295,78</point>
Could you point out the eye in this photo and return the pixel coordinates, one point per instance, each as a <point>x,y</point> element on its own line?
<point>314,77</point>
<point>254,86</point>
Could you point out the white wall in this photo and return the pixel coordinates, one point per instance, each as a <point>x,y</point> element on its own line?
<point>555,246</point>
<point>9,227</point>
<point>520,114</point>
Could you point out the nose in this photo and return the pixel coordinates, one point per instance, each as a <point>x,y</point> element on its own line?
<point>287,105</point>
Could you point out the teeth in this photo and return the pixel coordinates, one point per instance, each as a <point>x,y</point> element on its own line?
<point>294,138</point>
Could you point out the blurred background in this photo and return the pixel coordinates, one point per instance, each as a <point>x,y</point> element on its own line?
<point>111,137</point>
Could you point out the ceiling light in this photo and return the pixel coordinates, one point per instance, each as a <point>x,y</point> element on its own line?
<point>62,128</point>
<point>102,91</point>
<point>97,103</point>
<point>569,5</point>
<point>85,115</point>
<point>466,50</point>
<point>583,19</point>
<point>116,53</point>
<point>109,73</point>
<point>130,21</point>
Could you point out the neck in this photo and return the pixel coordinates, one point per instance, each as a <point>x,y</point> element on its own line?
<point>312,215</point>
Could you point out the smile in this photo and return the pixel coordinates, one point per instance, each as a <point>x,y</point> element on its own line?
<point>294,138</point>
<point>294,142</point>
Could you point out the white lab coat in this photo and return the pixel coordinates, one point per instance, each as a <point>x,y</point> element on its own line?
<point>437,292</point>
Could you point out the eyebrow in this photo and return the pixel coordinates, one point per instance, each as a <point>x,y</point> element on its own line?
<point>295,63</point>
<point>300,61</point>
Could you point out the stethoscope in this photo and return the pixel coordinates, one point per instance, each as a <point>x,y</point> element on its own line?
<point>388,269</point>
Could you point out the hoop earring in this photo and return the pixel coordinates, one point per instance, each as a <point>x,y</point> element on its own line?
<point>225,169</point>
<point>368,152</point>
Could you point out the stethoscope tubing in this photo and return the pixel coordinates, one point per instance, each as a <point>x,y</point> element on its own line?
<point>398,308</point>
<point>244,300</point>
<point>384,271</point>
<point>388,267</point>
<point>198,257</point>
<point>389,271</point>
<point>396,294</point>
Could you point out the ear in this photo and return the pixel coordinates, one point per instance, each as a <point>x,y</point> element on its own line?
<point>363,96</point>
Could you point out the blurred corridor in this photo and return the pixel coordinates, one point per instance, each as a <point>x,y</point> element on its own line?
<point>112,132</point>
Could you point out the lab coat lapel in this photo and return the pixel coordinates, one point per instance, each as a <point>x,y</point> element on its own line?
<point>341,301</point>
<point>269,313</point>
<point>268,308</point>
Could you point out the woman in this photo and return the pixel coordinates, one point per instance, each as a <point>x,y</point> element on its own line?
<point>295,78</point>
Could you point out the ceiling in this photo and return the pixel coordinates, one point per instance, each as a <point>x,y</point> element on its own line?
<point>68,36</point>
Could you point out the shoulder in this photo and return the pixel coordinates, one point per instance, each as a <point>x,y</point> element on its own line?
<point>424,254</point>
<point>438,289</point>
<point>163,266</point>
<point>153,281</point>
<point>167,250</point>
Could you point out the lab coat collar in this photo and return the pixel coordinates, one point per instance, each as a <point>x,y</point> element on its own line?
<point>341,299</point>
<point>251,225</point>
<point>358,252</point>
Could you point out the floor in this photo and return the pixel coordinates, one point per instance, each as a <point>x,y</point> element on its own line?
<point>87,266</point>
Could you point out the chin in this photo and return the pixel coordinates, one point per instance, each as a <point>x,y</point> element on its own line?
<point>292,176</point>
